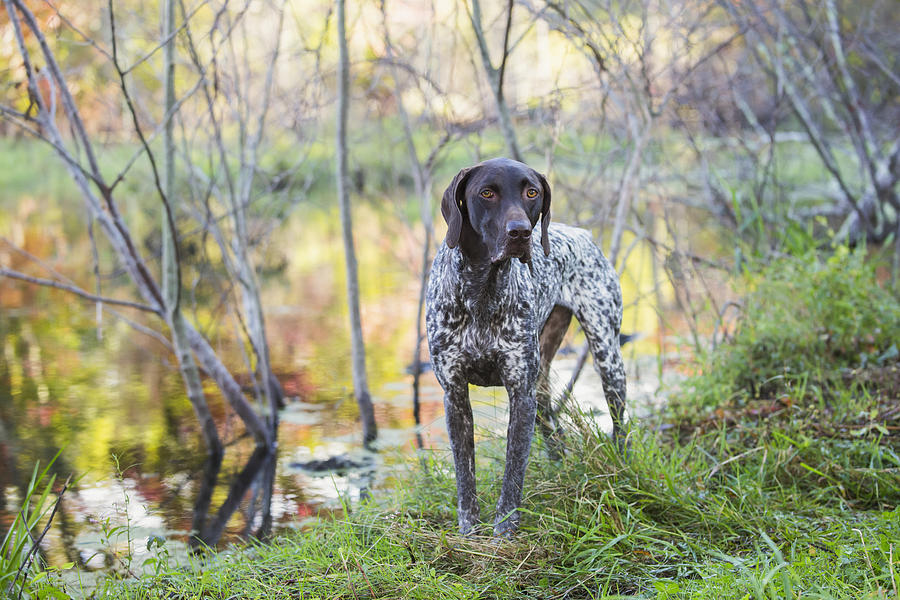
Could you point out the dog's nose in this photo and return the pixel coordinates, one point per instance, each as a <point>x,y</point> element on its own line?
<point>518,230</point>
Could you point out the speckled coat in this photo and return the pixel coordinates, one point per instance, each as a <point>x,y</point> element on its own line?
<point>484,323</point>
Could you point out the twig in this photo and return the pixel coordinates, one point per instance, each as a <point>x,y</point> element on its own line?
<point>693,258</point>
<point>720,321</point>
<point>718,466</point>
<point>349,578</point>
<point>66,96</point>
<point>21,121</point>
<point>75,290</point>
<point>579,365</point>
<point>96,258</point>
<point>366,577</point>
<point>25,253</point>
<point>89,40</point>
<point>862,541</point>
<point>144,329</point>
<point>112,222</point>
<point>502,70</point>
<point>893,577</point>
<point>133,324</point>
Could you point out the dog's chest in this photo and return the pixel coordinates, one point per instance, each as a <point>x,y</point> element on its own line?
<point>476,321</point>
<point>495,320</point>
<point>487,343</point>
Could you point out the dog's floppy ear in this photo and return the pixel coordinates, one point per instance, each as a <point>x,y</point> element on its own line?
<point>545,215</point>
<point>451,206</point>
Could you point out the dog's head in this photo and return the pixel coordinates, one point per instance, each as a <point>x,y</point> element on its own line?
<point>492,207</point>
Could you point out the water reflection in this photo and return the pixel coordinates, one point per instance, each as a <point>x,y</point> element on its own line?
<point>117,408</point>
<point>160,483</point>
<point>258,473</point>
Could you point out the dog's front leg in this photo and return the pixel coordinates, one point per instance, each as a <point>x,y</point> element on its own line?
<point>462,441</point>
<point>520,384</point>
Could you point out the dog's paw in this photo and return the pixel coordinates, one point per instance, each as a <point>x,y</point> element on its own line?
<point>469,524</point>
<point>506,525</point>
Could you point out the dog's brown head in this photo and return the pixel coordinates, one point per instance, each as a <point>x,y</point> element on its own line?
<point>492,207</point>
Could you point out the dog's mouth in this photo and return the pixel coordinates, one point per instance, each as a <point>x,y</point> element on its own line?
<point>520,250</point>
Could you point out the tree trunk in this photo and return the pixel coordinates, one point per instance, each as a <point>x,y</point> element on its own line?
<point>495,76</point>
<point>170,274</point>
<point>358,351</point>
<point>422,179</point>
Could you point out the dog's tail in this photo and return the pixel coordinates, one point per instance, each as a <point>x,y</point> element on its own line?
<point>624,338</point>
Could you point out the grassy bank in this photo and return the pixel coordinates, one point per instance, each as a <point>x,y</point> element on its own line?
<point>774,473</point>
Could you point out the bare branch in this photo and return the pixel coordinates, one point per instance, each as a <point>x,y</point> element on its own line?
<point>60,277</point>
<point>129,103</point>
<point>502,70</point>
<point>76,290</point>
<point>166,39</point>
<point>66,96</point>
<point>494,76</point>
<point>110,220</point>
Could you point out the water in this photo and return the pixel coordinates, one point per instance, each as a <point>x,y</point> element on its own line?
<point>109,399</point>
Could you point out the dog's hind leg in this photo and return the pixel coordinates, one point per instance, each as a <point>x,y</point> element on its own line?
<point>552,335</point>
<point>602,332</point>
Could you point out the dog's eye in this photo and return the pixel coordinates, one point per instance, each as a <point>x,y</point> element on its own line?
<point>531,193</point>
<point>487,194</point>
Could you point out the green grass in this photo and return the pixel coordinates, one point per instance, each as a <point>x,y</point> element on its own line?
<point>765,501</point>
<point>703,515</point>
<point>19,555</point>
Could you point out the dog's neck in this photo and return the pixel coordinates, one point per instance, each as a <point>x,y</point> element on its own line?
<point>479,280</point>
<point>479,271</point>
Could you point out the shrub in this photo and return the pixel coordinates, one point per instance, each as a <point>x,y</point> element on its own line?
<point>807,321</point>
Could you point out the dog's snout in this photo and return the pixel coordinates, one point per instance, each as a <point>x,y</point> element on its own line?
<point>518,230</point>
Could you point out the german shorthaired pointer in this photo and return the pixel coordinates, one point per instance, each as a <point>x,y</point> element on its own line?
<point>493,320</point>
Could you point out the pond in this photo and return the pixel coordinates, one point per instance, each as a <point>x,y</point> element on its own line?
<point>109,400</point>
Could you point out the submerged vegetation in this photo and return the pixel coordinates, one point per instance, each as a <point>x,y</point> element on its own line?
<point>773,473</point>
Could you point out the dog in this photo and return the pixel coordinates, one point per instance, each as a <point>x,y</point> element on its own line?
<point>499,301</point>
